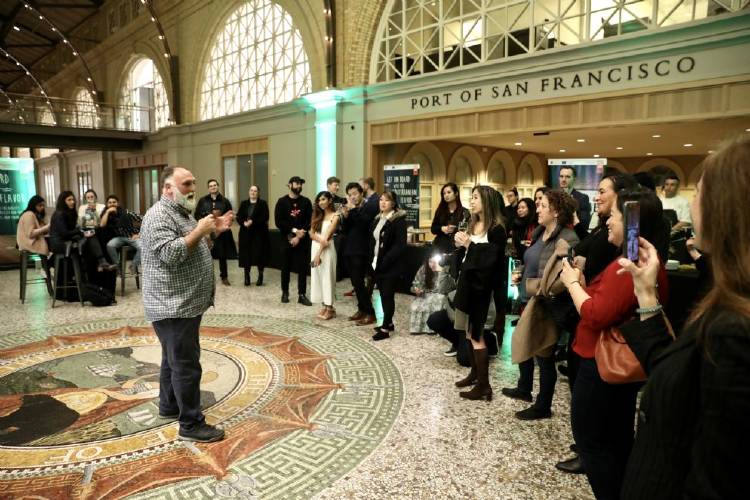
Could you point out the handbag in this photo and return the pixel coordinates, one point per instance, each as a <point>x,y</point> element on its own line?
<point>615,360</point>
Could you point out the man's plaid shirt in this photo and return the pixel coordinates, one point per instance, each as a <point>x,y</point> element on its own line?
<point>177,282</point>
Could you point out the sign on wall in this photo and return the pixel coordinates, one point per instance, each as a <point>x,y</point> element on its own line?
<point>404,181</point>
<point>16,188</point>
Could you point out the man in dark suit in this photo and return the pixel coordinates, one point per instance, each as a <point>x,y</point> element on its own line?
<point>567,181</point>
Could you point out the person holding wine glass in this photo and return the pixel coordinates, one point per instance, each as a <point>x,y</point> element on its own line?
<point>481,256</point>
<point>448,217</point>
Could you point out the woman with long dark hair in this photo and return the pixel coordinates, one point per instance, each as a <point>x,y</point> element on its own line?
<point>323,254</point>
<point>252,217</point>
<point>31,227</point>
<point>448,215</point>
<point>692,423</point>
<point>481,256</point>
<point>523,226</point>
<point>64,228</point>
<point>602,413</point>
<point>388,244</point>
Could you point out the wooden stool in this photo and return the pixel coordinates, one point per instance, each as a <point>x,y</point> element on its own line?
<point>62,260</point>
<point>25,257</point>
<point>124,251</point>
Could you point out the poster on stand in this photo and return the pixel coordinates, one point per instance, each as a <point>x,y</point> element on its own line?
<point>17,186</point>
<point>404,181</point>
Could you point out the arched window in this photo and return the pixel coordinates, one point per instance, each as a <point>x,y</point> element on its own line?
<point>143,98</point>
<point>257,60</point>
<point>417,37</point>
<point>85,110</point>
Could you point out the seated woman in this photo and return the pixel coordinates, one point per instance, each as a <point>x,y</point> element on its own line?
<point>431,286</point>
<point>63,228</point>
<point>31,227</point>
<point>602,414</point>
<point>555,216</point>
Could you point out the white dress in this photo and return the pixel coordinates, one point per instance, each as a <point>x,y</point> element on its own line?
<point>323,277</point>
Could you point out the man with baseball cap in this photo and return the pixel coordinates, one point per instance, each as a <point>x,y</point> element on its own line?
<point>293,213</point>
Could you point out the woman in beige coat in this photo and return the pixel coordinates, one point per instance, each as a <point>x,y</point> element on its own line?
<point>31,227</point>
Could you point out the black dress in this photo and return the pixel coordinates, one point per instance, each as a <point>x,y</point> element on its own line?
<point>692,420</point>
<point>444,242</point>
<point>254,240</point>
<point>223,243</point>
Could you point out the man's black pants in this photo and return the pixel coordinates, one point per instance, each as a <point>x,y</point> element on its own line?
<point>358,271</point>
<point>180,376</point>
<point>295,259</point>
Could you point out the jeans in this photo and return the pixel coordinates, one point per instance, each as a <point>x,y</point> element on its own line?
<point>116,243</point>
<point>547,380</point>
<point>358,271</point>
<point>602,417</point>
<point>295,259</point>
<point>387,288</point>
<point>180,375</point>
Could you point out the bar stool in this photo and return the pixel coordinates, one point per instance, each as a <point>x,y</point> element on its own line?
<point>62,259</point>
<point>26,256</point>
<point>124,253</point>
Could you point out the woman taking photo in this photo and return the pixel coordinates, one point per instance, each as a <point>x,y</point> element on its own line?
<point>524,225</point>
<point>323,254</point>
<point>31,228</point>
<point>692,422</point>
<point>254,240</point>
<point>555,216</point>
<point>602,414</point>
<point>481,257</point>
<point>448,216</point>
<point>389,244</point>
<point>63,228</point>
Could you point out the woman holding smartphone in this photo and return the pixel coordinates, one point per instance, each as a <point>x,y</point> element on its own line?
<point>602,414</point>
<point>692,422</point>
<point>481,252</point>
<point>450,214</point>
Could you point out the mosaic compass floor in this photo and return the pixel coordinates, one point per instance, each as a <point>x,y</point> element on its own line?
<point>301,406</point>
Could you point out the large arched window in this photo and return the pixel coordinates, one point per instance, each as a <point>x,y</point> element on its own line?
<point>143,98</point>
<point>85,110</point>
<point>257,60</point>
<point>424,36</point>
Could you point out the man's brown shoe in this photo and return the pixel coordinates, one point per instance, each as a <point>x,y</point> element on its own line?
<point>357,316</point>
<point>225,281</point>
<point>367,319</point>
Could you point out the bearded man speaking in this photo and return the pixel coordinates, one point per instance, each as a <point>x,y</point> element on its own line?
<point>178,287</point>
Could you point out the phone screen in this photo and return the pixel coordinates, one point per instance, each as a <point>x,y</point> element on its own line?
<point>632,224</point>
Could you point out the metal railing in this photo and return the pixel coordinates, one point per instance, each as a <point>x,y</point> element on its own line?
<point>56,112</point>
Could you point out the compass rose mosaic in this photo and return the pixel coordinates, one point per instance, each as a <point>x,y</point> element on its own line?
<point>301,406</point>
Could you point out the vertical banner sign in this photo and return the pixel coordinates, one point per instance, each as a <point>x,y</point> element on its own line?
<point>16,188</point>
<point>404,181</point>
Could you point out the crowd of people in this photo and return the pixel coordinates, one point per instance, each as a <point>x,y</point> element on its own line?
<point>575,291</point>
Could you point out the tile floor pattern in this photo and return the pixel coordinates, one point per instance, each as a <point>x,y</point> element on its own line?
<point>439,447</point>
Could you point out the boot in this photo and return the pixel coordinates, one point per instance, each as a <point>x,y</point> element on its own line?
<point>482,390</point>
<point>247,277</point>
<point>260,279</point>
<point>471,378</point>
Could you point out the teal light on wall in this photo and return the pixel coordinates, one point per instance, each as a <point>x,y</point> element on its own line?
<point>326,110</point>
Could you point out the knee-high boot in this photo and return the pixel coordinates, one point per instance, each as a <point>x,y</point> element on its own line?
<point>471,378</point>
<point>482,390</point>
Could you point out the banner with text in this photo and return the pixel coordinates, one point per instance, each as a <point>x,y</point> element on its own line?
<point>404,181</point>
<point>16,188</point>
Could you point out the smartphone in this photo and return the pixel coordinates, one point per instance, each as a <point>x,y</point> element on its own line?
<point>632,226</point>
<point>571,255</point>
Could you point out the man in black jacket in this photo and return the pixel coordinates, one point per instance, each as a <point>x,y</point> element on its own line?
<point>358,217</point>
<point>567,181</point>
<point>293,214</point>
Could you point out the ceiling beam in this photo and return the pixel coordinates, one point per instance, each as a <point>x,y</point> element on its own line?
<point>28,45</point>
<point>64,6</point>
<point>8,23</point>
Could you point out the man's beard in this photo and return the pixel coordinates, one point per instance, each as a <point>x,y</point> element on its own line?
<point>186,201</point>
<point>296,191</point>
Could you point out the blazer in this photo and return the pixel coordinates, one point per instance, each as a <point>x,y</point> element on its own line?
<point>692,421</point>
<point>482,276</point>
<point>357,226</point>
<point>392,245</point>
